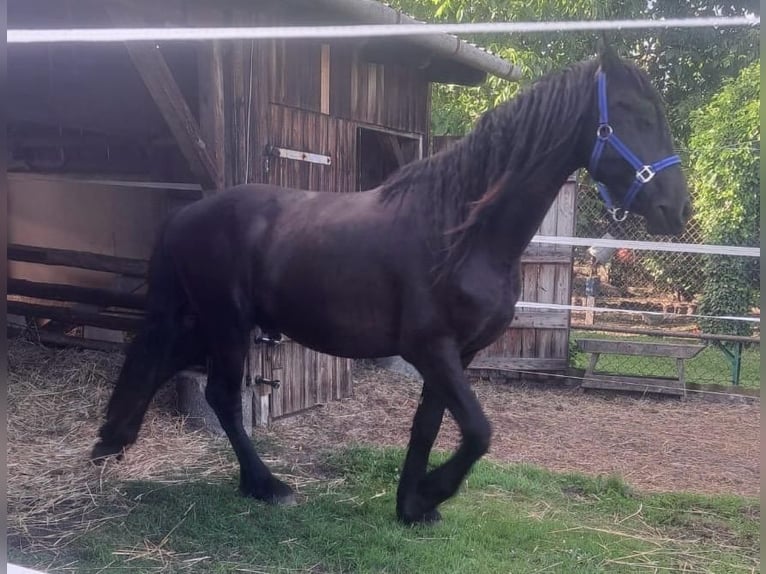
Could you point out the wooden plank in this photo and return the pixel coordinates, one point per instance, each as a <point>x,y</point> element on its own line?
<point>211,104</point>
<point>325,172</point>
<point>275,363</point>
<point>518,364</point>
<point>658,333</point>
<point>262,77</point>
<point>74,317</point>
<point>635,348</point>
<point>239,141</point>
<point>380,96</point>
<point>633,384</point>
<point>540,319</point>
<point>58,339</point>
<point>355,83</point>
<point>565,226</point>
<point>529,293</point>
<point>544,259</point>
<point>372,92</point>
<point>562,296</point>
<point>324,80</point>
<point>77,294</point>
<point>78,259</point>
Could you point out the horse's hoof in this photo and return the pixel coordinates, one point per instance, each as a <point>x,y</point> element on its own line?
<point>426,518</point>
<point>273,492</point>
<point>284,500</point>
<point>102,451</point>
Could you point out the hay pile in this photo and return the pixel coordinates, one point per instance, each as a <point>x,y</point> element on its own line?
<point>56,401</point>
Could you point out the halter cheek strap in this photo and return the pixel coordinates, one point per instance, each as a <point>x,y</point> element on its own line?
<point>605,135</point>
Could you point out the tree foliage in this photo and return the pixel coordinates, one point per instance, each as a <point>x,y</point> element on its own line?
<point>725,138</point>
<point>688,66</point>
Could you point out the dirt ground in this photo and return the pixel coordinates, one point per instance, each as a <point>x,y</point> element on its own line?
<point>653,444</point>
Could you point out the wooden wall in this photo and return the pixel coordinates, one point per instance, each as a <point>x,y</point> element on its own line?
<point>316,133</point>
<point>308,378</point>
<point>382,95</point>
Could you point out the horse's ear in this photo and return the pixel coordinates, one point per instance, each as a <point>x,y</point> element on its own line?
<point>607,55</point>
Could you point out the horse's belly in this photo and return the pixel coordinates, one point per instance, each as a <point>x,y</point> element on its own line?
<point>342,321</point>
<point>327,334</point>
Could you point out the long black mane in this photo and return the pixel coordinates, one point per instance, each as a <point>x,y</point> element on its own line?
<point>516,142</point>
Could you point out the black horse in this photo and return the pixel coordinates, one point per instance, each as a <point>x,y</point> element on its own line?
<point>425,266</point>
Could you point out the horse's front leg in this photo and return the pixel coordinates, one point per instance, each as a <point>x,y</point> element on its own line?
<point>425,427</point>
<point>444,385</point>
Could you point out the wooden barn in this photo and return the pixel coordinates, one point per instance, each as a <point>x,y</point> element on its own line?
<point>107,139</point>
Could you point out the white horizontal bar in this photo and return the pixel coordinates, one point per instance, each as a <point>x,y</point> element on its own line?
<point>19,36</point>
<point>534,305</point>
<point>301,155</point>
<point>649,245</point>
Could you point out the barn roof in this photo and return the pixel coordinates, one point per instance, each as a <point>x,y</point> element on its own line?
<point>442,57</point>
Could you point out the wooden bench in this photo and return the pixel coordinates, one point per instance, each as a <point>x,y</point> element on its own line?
<point>636,383</point>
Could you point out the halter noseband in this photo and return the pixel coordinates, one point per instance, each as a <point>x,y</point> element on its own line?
<point>604,135</point>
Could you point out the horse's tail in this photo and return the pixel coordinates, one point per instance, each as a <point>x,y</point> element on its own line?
<point>159,349</point>
<point>165,296</point>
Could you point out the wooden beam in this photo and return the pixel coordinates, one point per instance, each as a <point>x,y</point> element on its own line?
<point>76,294</point>
<point>396,148</point>
<point>65,340</point>
<point>158,78</point>
<point>75,317</point>
<point>513,364</point>
<point>211,108</point>
<point>78,259</point>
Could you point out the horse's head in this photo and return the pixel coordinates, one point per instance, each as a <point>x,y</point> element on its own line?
<point>632,155</point>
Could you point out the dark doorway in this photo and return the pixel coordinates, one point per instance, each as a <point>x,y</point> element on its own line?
<point>380,153</point>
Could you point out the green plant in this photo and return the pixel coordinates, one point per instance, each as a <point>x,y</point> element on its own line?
<point>725,176</point>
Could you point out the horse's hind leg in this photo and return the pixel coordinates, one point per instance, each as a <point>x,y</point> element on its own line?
<point>224,394</point>
<point>158,351</point>
<point>442,369</point>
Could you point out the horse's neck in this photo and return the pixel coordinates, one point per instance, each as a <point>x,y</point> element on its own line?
<point>519,213</point>
<point>531,182</point>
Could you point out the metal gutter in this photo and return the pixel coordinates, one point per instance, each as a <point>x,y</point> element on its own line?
<point>445,45</point>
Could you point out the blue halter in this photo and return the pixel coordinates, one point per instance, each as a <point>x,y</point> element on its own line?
<point>604,135</point>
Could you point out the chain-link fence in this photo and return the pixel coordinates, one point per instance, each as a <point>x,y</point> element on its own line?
<point>665,292</point>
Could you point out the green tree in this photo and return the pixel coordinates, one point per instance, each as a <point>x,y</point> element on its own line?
<point>688,66</point>
<point>725,139</point>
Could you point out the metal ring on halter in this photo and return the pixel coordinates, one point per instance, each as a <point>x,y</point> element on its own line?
<point>604,131</point>
<point>619,218</point>
<point>645,174</point>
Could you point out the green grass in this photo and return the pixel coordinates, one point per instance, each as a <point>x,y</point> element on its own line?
<point>515,518</point>
<point>710,366</point>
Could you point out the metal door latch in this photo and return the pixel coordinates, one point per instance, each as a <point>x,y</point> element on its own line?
<point>273,383</point>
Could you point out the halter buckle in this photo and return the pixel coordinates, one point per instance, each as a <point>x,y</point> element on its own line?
<point>645,174</point>
<point>604,131</point>
<point>619,214</point>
